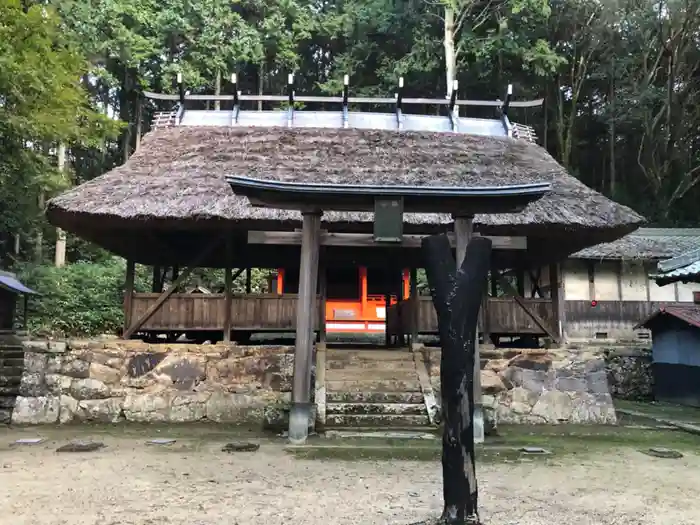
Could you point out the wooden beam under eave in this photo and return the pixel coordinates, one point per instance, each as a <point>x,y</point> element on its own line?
<point>136,325</point>
<point>365,240</point>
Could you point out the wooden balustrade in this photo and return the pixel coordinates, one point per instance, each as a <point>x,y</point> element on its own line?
<point>504,315</point>
<point>253,312</point>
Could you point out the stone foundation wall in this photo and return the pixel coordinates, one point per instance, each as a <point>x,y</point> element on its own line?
<point>629,372</point>
<point>540,386</point>
<point>113,380</point>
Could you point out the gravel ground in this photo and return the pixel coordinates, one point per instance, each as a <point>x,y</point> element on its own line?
<point>194,483</point>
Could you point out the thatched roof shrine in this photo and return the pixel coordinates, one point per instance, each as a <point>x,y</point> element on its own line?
<point>175,184</point>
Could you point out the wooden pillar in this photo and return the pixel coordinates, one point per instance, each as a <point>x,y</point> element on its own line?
<point>494,281</point>
<point>300,413</point>
<point>556,286</point>
<point>485,320</point>
<point>463,227</point>
<point>128,293</point>
<point>520,281</point>
<point>248,282</point>
<point>156,284</point>
<point>415,304</point>
<point>228,295</point>
<point>322,291</point>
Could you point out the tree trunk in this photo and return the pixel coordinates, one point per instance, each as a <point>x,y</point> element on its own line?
<point>611,130</point>
<point>60,251</point>
<point>39,239</point>
<point>457,299</point>
<point>217,90</point>
<point>261,81</point>
<point>450,53</point>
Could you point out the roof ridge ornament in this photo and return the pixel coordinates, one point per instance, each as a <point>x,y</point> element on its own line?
<point>290,94</point>
<point>453,111</point>
<point>507,126</point>
<point>346,96</point>
<point>236,102</point>
<point>182,95</point>
<point>399,105</point>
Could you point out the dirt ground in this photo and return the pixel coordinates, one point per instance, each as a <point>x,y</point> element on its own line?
<point>193,482</point>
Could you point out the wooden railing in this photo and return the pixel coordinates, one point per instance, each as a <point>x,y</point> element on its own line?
<point>504,316</point>
<point>253,312</point>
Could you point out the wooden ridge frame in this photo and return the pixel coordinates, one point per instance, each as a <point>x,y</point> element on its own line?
<point>366,239</point>
<point>340,100</point>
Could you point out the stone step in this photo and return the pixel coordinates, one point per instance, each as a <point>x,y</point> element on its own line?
<point>376,421</point>
<point>7,401</point>
<point>10,371</point>
<point>369,364</point>
<point>11,390</point>
<point>9,381</point>
<point>377,374</point>
<point>397,409</point>
<point>12,361</point>
<point>368,355</point>
<point>384,385</point>
<point>374,397</point>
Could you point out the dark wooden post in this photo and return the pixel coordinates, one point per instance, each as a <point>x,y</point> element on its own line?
<point>464,229</point>
<point>228,293</point>
<point>557,294</point>
<point>248,279</point>
<point>156,286</point>
<point>415,304</point>
<point>300,413</point>
<point>129,293</point>
<point>457,297</point>
<point>322,306</point>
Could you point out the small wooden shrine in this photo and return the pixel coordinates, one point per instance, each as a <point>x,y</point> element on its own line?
<point>169,206</point>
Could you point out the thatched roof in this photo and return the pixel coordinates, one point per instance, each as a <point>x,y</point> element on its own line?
<point>177,178</point>
<point>645,244</point>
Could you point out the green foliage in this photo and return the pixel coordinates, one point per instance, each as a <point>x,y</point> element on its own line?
<point>622,98</point>
<point>86,298</point>
<point>79,299</point>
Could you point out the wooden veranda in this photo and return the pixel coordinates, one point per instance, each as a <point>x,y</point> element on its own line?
<point>205,314</point>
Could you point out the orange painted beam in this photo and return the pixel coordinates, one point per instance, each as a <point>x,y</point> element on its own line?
<point>406,283</point>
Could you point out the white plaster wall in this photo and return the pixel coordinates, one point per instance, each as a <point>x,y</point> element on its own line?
<point>575,280</point>
<point>605,281</point>
<point>634,281</point>
<point>659,293</point>
<point>685,291</point>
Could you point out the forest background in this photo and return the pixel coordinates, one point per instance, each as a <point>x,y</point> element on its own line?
<point>620,80</point>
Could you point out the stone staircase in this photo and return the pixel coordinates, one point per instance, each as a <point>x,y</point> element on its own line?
<point>11,367</point>
<point>370,389</point>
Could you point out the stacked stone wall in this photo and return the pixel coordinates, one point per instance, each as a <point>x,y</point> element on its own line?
<point>112,380</point>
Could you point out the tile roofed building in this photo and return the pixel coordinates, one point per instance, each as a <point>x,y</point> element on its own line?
<point>645,243</point>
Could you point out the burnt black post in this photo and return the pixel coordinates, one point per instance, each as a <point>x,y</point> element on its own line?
<point>457,298</point>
